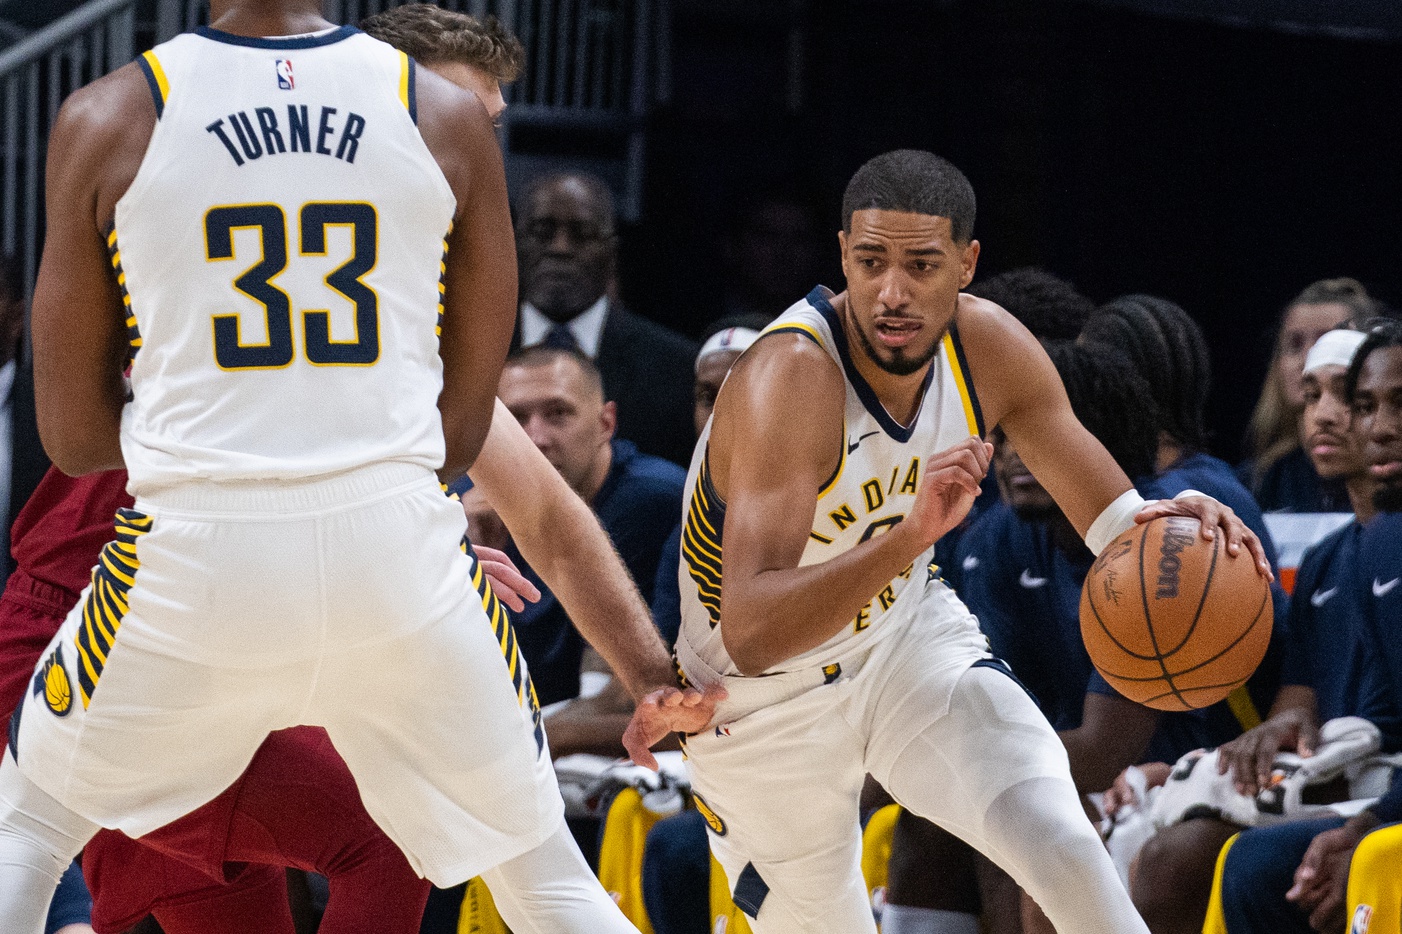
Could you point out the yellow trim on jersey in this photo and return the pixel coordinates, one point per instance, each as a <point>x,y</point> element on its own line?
<point>779,327</point>
<point>1215,922</point>
<point>1374,885</point>
<point>159,74</point>
<point>404,80</point>
<point>1244,709</point>
<point>959,380</point>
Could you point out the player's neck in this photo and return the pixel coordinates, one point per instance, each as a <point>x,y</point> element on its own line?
<point>267,17</point>
<point>1360,496</point>
<point>900,395</point>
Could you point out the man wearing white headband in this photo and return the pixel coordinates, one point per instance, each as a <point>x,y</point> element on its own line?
<point>718,354</point>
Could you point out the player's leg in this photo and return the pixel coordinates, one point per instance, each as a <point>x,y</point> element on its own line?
<point>298,806</point>
<point>39,837</point>
<point>1259,870</point>
<point>993,771</point>
<point>1172,875</point>
<point>432,709</point>
<point>779,789</point>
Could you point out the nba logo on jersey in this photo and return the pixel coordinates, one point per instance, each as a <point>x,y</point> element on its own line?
<point>284,74</point>
<point>1361,917</point>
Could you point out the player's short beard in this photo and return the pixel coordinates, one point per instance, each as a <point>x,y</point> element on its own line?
<point>898,365</point>
<point>1388,497</point>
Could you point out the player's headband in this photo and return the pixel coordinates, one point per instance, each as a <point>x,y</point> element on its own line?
<point>1334,348</point>
<point>731,339</point>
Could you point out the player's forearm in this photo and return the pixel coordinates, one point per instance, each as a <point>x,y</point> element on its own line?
<point>769,616</point>
<point>593,585</point>
<point>1297,702</point>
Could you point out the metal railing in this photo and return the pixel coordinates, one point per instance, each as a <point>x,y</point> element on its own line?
<point>601,64</point>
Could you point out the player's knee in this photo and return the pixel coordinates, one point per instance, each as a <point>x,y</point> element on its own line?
<point>1164,875</point>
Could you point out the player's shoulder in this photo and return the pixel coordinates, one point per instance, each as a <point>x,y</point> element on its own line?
<point>983,325</point>
<point>107,107</point>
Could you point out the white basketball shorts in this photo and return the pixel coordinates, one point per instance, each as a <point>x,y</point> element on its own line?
<point>779,776</point>
<point>222,612</point>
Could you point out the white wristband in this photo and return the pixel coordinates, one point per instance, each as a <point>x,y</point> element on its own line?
<point>1187,493</point>
<point>1117,518</point>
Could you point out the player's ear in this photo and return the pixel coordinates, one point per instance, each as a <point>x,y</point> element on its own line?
<point>608,419</point>
<point>969,262</point>
<point>842,249</point>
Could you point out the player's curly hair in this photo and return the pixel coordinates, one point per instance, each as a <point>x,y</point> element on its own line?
<point>430,34</point>
<point>1047,305</point>
<point>1168,350</point>
<point>1381,332</point>
<point>915,182</point>
<point>1112,400</point>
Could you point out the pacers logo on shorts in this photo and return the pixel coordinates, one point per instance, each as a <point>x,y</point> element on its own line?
<point>1361,919</point>
<point>52,682</point>
<point>712,820</point>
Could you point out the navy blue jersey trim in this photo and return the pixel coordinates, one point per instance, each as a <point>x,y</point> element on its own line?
<point>750,891</point>
<point>277,42</point>
<point>153,84</point>
<point>793,330</point>
<point>968,379</point>
<point>413,93</point>
<point>818,298</point>
<point>998,665</point>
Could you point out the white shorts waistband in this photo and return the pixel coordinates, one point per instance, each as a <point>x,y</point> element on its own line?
<point>286,498</point>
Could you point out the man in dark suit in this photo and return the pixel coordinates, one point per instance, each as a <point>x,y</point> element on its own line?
<point>568,246</point>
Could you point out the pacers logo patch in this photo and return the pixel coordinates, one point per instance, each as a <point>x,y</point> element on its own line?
<point>712,820</point>
<point>52,682</point>
<point>1362,917</point>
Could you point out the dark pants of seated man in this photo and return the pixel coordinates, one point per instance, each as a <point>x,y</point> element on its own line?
<point>1260,869</point>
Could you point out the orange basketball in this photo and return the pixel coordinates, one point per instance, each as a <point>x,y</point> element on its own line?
<point>1171,619</point>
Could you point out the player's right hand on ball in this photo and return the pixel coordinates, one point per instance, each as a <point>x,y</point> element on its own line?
<point>950,486</point>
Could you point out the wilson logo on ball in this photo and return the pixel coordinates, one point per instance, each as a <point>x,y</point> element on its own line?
<point>1178,536</point>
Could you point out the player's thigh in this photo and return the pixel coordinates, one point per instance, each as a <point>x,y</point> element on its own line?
<point>442,732</point>
<point>779,788</point>
<point>950,768</point>
<point>143,737</point>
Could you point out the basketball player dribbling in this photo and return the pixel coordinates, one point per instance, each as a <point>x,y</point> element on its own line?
<point>290,557</point>
<point>845,442</point>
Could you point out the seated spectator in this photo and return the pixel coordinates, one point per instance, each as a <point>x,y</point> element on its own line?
<point>567,239</point>
<point>1293,877</point>
<point>1327,669</point>
<point>1277,469</point>
<point>557,396</point>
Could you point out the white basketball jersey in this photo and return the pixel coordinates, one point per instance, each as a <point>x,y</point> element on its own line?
<point>879,468</point>
<point>280,255</point>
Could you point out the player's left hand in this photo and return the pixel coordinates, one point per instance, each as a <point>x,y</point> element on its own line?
<point>668,710</point>
<point>1321,881</point>
<point>508,583</point>
<point>1216,518</point>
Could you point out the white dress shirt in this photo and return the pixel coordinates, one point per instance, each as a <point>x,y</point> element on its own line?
<point>587,326</point>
